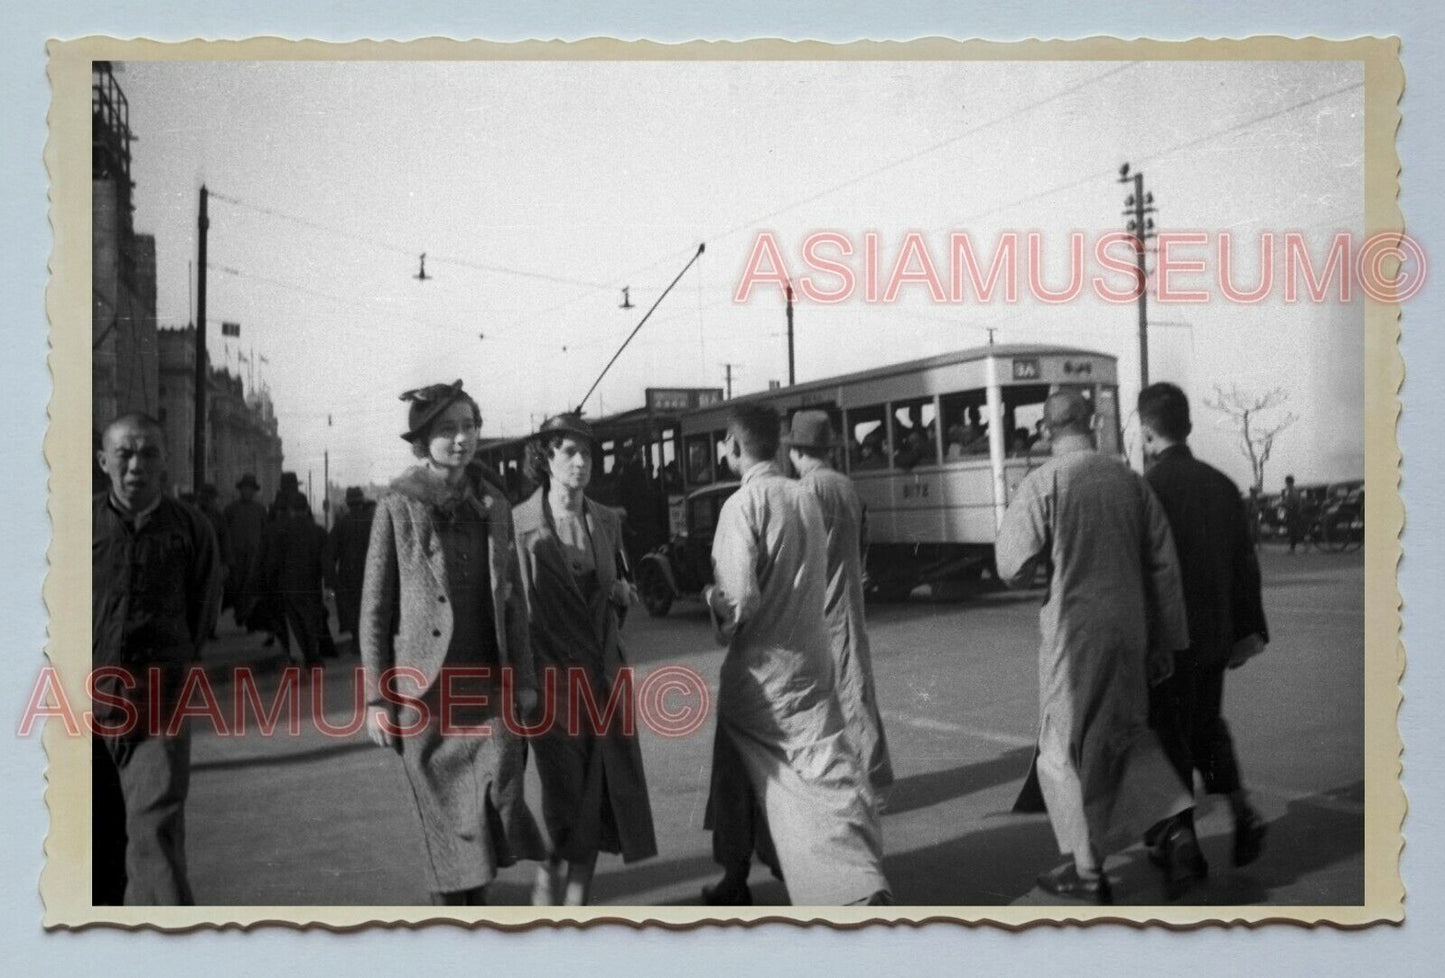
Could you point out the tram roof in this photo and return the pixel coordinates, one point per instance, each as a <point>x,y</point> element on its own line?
<point>923,363</point>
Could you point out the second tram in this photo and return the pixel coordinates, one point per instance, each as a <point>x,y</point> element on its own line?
<point>935,447</point>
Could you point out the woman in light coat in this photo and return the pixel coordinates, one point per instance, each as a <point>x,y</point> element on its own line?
<point>594,794</point>
<point>441,604</point>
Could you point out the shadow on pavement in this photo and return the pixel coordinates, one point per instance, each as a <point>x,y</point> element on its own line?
<point>935,787</point>
<point>1313,835</point>
<point>986,868</point>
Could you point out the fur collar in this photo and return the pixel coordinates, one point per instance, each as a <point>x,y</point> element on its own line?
<point>420,485</point>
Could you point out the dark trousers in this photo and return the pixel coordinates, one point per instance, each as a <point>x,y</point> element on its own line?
<point>738,823</point>
<point>138,835</point>
<point>305,618</point>
<point>1185,711</point>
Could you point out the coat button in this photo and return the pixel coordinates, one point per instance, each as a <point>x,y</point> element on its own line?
<point>436,633</point>
<point>442,598</point>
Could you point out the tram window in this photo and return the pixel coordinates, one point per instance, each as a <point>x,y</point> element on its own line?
<point>720,454</point>
<point>914,433</point>
<point>965,425</point>
<point>1106,421</point>
<point>1023,408</point>
<point>668,470</point>
<point>699,459</point>
<point>867,439</point>
<point>609,457</point>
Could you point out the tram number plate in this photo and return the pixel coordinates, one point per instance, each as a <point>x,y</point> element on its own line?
<point>1027,369</point>
<point>916,491</point>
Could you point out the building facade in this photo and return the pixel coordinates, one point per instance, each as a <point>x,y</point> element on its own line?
<point>124,367</point>
<point>241,431</point>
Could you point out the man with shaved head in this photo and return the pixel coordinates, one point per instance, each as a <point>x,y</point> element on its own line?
<point>155,595</point>
<point>1113,617</point>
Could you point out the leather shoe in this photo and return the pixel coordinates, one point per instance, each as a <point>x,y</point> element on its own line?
<point>1179,856</point>
<point>726,894</point>
<point>1066,882</point>
<point>1249,831</point>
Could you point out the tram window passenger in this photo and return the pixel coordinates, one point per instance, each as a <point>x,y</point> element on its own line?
<point>867,448</point>
<point>965,433</point>
<point>913,434</point>
<point>699,461</point>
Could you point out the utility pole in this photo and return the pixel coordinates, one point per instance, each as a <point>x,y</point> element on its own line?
<point>1138,206</point>
<point>326,478</point>
<point>728,367</point>
<point>792,375</point>
<point>198,438</point>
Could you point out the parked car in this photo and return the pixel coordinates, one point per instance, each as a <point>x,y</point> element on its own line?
<point>1341,523</point>
<point>682,567</point>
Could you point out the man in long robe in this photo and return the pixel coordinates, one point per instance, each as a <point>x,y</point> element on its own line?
<point>1221,579</point>
<point>809,443</point>
<point>1112,618</point>
<point>781,745</point>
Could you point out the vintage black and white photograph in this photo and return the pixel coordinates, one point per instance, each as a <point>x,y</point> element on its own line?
<point>860,487</point>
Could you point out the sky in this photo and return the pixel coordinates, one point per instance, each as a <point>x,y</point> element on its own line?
<point>539,189</point>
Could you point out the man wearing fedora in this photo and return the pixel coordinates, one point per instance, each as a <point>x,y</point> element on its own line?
<point>810,445</point>
<point>787,781</point>
<point>245,521</point>
<point>346,556</point>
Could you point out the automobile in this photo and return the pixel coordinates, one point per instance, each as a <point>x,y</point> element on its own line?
<point>1341,523</point>
<point>682,567</point>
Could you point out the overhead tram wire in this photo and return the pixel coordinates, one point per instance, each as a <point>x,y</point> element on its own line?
<point>973,130</point>
<point>341,300</point>
<point>402,250</point>
<point>696,255</point>
<point>1156,155</point>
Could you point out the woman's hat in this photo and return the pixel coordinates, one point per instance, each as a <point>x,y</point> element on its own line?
<point>427,403</point>
<point>566,424</point>
<point>811,429</point>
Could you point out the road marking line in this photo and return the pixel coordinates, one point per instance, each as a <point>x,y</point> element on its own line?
<point>945,726</point>
<point>1315,797</point>
<point>1315,610</point>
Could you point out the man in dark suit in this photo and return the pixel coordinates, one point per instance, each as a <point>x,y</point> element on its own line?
<point>1221,580</point>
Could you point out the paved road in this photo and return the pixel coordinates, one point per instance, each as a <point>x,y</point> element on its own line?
<point>323,820</point>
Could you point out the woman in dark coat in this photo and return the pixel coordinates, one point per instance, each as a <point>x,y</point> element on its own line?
<point>594,794</point>
<point>441,595</point>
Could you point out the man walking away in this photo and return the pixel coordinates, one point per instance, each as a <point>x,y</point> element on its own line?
<point>1221,580</point>
<point>810,443</point>
<point>296,569</point>
<point>155,595</point>
<point>346,557</point>
<point>245,531</point>
<point>1113,616</point>
<point>781,746</point>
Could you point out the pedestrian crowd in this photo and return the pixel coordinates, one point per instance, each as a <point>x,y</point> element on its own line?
<point>1153,593</point>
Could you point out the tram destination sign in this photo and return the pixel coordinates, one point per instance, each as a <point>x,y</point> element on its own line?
<point>1027,368</point>
<point>682,398</point>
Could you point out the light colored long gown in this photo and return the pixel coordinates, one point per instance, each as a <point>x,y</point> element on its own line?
<point>776,701</point>
<point>1114,593</point>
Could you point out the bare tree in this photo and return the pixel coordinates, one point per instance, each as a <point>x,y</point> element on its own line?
<point>1256,419</point>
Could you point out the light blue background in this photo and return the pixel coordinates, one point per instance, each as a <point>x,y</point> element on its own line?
<point>25,388</point>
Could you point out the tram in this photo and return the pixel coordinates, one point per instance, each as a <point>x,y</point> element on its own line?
<point>935,447</point>
<point>637,468</point>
